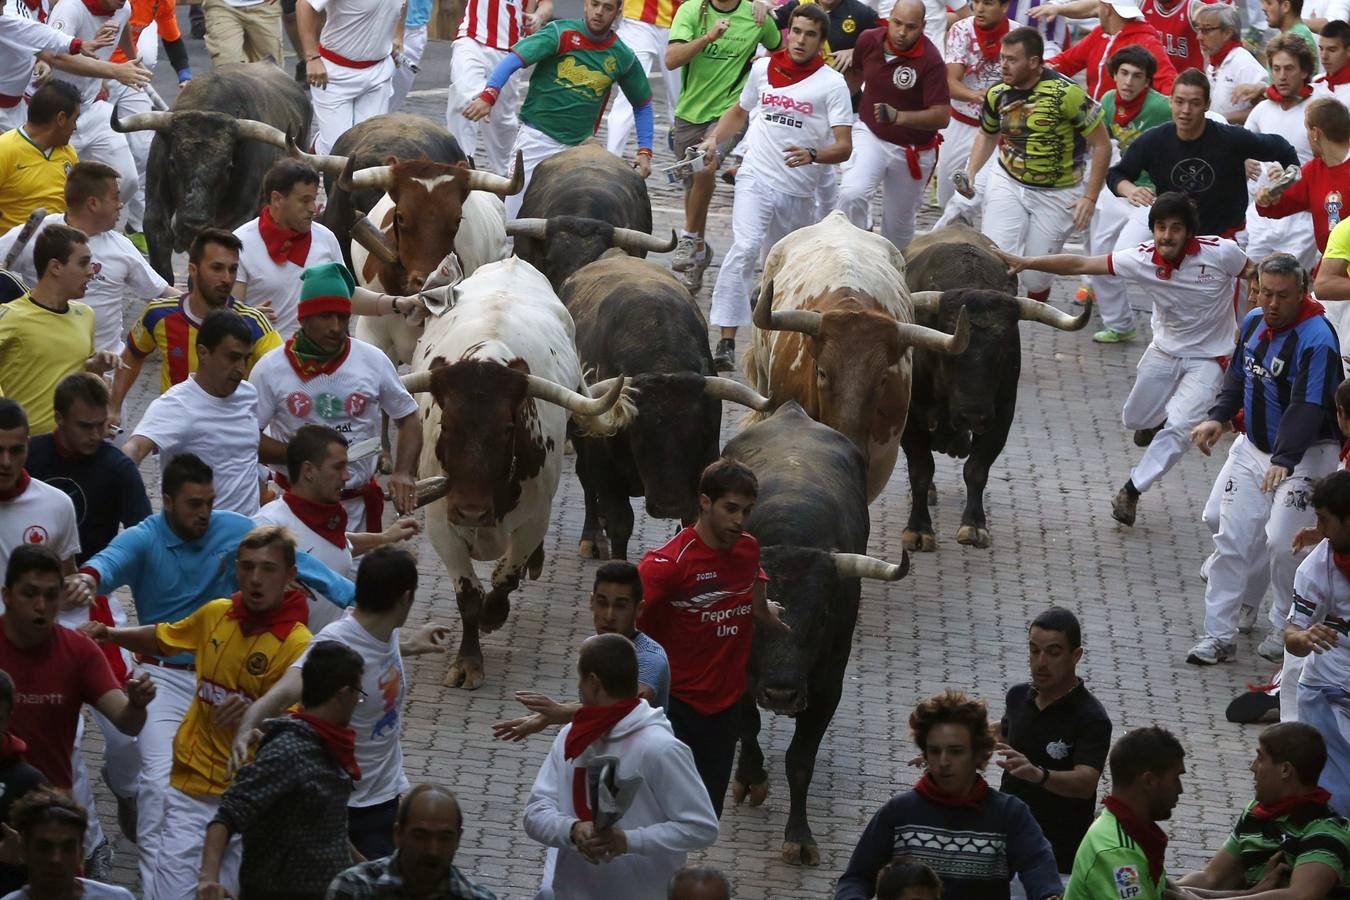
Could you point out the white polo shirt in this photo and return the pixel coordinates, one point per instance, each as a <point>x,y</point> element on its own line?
<point>1192,303</point>
<point>1238,67</point>
<point>360,30</point>
<point>75,19</point>
<point>800,114</point>
<point>1269,117</point>
<point>280,284</point>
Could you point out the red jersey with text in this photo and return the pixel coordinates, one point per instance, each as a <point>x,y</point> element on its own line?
<point>1323,191</point>
<point>1176,32</point>
<point>909,81</point>
<point>698,603</point>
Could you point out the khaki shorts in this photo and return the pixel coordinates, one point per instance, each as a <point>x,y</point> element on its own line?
<point>687,135</point>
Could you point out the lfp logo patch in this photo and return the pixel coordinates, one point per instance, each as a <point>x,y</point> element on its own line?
<point>1127,882</point>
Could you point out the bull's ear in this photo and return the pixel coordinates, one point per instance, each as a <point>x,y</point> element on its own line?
<point>463,164</point>
<point>519,364</point>
<point>390,160</point>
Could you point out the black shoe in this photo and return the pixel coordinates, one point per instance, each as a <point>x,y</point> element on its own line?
<point>1144,436</point>
<point>1124,507</point>
<point>1254,706</point>
<point>724,358</point>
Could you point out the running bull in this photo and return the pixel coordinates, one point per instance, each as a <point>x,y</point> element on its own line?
<point>812,525</point>
<point>963,404</point>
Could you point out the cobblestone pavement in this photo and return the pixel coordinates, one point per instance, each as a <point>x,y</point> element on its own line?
<point>958,620</point>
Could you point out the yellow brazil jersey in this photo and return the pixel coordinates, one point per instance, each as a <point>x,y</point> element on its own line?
<point>653,12</point>
<point>39,347</point>
<point>166,325</point>
<point>229,663</point>
<point>30,177</point>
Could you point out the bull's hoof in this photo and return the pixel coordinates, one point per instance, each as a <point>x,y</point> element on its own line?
<point>465,672</point>
<point>920,541</point>
<point>593,549</point>
<point>974,536</point>
<point>495,610</point>
<point>534,566</point>
<point>795,854</point>
<point>758,793</point>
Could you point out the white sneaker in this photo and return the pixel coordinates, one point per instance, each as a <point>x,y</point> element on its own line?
<point>1210,650</point>
<point>1246,618</point>
<point>1272,646</point>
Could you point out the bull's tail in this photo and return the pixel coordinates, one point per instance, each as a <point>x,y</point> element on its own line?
<point>619,416</point>
<point>755,364</point>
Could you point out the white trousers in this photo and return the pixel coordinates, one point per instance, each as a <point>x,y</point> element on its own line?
<point>648,42</point>
<point>1251,522</point>
<point>414,45</point>
<point>760,217</point>
<point>95,141</point>
<point>1115,225</point>
<point>1172,388</point>
<point>13,116</point>
<point>881,163</point>
<point>129,102</point>
<point>180,854</point>
<point>1028,221</point>
<point>1338,313</point>
<point>534,147</point>
<point>1292,234</point>
<point>174,690</point>
<point>470,65</point>
<point>958,139</point>
<point>351,97</point>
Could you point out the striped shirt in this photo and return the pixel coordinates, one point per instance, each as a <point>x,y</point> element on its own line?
<point>653,12</point>
<point>1311,833</point>
<point>168,326</point>
<point>494,23</point>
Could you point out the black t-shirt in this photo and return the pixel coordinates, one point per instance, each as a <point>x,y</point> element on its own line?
<point>106,489</point>
<point>848,20</point>
<point>1073,731</point>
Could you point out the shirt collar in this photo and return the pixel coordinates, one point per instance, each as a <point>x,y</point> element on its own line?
<point>454,885</point>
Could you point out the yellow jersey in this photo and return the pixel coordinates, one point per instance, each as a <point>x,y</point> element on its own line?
<point>653,12</point>
<point>167,325</point>
<point>31,177</point>
<point>39,347</point>
<point>229,663</point>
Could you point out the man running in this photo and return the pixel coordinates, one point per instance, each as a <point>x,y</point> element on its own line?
<point>348,47</point>
<point>972,69</point>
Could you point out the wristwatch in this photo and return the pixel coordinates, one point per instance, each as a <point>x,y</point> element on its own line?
<point>1045,776</point>
<point>812,151</point>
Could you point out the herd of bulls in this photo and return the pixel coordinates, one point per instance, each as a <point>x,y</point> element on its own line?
<point>577,337</point>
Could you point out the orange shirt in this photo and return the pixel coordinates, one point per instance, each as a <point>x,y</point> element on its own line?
<point>143,12</point>
<point>653,12</point>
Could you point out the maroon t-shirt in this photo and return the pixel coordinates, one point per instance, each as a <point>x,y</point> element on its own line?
<point>907,83</point>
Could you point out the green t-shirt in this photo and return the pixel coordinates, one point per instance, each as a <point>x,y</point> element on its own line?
<point>1155,111</point>
<point>1303,31</point>
<point>572,77</point>
<point>1310,834</point>
<point>1042,130</point>
<point>712,81</point>
<point>1109,865</point>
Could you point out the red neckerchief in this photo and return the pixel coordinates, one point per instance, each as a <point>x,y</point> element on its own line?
<point>1192,248</point>
<point>911,53</point>
<point>19,487</point>
<point>62,450</point>
<point>1309,309</point>
<point>1303,93</point>
<point>327,520</point>
<point>1222,53</point>
<point>928,789</point>
<point>96,8</point>
<point>282,243</point>
<point>308,369</point>
<point>1342,561</point>
<point>783,71</point>
<point>36,6</point>
<point>1150,838</point>
<point>990,39</point>
<point>11,748</point>
<point>1315,797</point>
<point>1340,77</point>
<point>592,723</point>
<point>293,611</point>
<point>1126,110</point>
<point>340,741</point>
<point>1345,452</point>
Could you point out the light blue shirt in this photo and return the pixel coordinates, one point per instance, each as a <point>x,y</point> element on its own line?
<point>653,668</point>
<point>171,578</point>
<point>419,13</point>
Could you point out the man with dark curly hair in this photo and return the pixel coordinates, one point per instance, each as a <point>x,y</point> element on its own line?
<point>972,836</point>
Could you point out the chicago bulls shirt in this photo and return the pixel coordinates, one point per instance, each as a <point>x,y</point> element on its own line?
<point>800,115</point>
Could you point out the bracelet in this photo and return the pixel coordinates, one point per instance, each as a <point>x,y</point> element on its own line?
<point>1045,776</point>
<point>645,151</point>
<point>489,96</point>
<point>312,58</point>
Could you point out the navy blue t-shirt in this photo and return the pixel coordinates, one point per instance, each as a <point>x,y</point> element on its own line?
<point>106,489</point>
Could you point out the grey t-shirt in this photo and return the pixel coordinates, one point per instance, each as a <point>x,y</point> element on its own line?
<point>653,668</point>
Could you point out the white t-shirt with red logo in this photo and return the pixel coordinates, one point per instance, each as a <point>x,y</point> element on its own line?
<point>963,49</point>
<point>42,514</point>
<point>349,400</point>
<point>800,115</point>
<point>75,19</point>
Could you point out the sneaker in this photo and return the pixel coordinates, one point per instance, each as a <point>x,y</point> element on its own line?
<point>693,276</point>
<point>1111,336</point>
<point>1246,617</point>
<point>127,811</point>
<point>686,253</point>
<point>1085,295</point>
<point>98,866</point>
<point>1124,507</point>
<point>137,239</point>
<point>670,139</point>
<point>1144,436</point>
<point>1272,646</point>
<point>724,357</point>
<point>1210,650</point>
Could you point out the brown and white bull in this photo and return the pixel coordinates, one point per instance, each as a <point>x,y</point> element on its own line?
<point>500,375</point>
<point>834,328</point>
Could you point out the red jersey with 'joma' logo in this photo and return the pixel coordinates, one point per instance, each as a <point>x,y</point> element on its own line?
<point>698,603</point>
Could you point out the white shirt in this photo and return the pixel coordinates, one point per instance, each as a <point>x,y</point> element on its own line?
<point>121,274</point>
<point>800,114</point>
<point>1193,303</point>
<point>349,400</point>
<point>280,284</point>
<point>222,431</point>
<point>1330,10</point>
<point>934,12</point>
<point>493,23</point>
<point>75,19</point>
<point>360,30</point>
<point>1238,67</point>
<point>89,890</point>
<point>321,611</point>
<point>1269,117</point>
<point>1321,89</point>
<point>1322,594</point>
<point>963,48</point>
<point>378,721</point>
<point>42,514</point>
<point>21,40</point>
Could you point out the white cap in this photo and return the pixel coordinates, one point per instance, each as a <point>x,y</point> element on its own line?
<point>1125,9</point>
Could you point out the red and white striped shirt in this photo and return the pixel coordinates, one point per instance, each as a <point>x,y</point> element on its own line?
<point>493,23</point>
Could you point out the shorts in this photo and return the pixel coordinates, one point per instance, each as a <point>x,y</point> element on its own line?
<point>687,135</point>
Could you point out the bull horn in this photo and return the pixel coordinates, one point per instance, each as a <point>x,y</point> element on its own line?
<point>926,300</point>
<point>328,165</point>
<point>376,242</point>
<point>417,382</point>
<point>254,130</point>
<point>372,177</point>
<point>634,240</point>
<point>766,318</point>
<point>570,400</point>
<point>1035,311</point>
<point>429,490</point>
<point>496,184</point>
<point>155,120</point>
<point>932,339</point>
<point>530,228</point>
<point>729,389</point>
<point>857,565</point>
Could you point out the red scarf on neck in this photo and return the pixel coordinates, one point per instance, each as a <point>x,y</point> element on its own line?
<point>19,486</point>
<point>990,39</point>
<point>592,723</point>
<point>96,8</point>
<point>928,789</point>
<point>1340,77</point>
<point>1303,93</point>
<point>1126,110</point>
<point>912,53</point>
<point>328,520</point>
<point>1309,309</point>
<point>1222,53</point>
<point>309,368</point>
<point>1342,561</point>
<point>293,611</point>
<point>282,243</point>
<point>340,741</point>
<point>1150,838</point>
<point>1315,797</point>
<point>783,71</point>
<point>11,747</point>
<point>36,6</point>
<point>1192,248</point>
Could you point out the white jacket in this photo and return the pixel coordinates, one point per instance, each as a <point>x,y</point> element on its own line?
<point>670,815</point>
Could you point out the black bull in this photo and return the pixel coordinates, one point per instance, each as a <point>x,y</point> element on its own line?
<point>812,524</point>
